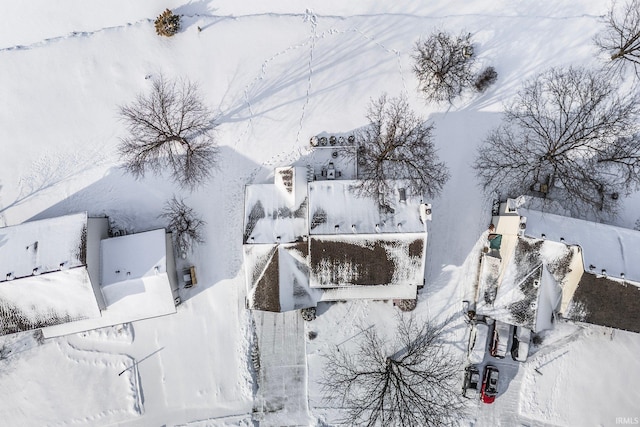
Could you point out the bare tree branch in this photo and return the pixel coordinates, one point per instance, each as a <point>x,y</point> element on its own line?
<point>620,39</point>
<point>186,226</point>
<point>397,145</point>
<point>410,379</point>
<point>444,65</point>
<point>569,129</point>
<point>170,128</point>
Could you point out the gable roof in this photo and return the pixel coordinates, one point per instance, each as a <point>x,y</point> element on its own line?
<point>278,277</point>
<point>336,207</point>
<point>322,240</point>
<point>43,277</point>
<point>133,279</point>
<point>277,212</point>
<point>609,298</point>
<point>49,299</point>
<point>43,246</point>
<point>526,289</point>
<point>603,301</point>
<point>605,247</point>
<point>378,259</point>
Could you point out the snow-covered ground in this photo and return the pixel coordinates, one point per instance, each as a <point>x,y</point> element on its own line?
<point>276,73</point>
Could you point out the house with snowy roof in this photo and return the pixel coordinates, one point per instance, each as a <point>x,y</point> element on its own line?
<point>307,241</point>
<point>537,266</point>
<point>65,275</point>
<point>605,287</point>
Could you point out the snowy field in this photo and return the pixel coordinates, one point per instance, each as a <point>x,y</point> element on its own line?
<point>276,73</point>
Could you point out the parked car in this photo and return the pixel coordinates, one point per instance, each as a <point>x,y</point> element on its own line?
<point>520,346</point>
<point>471,381</point>
<point>489,389</point>
<point>478,335</point>
<point>500,341</point>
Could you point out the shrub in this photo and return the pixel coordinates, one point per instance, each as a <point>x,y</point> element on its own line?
<point>308,314</point>
<point>167,24</point>
<point>486,78</point>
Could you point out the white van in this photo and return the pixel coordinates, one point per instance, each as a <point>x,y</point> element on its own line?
<point>499,344</point>
<point>478,342</point>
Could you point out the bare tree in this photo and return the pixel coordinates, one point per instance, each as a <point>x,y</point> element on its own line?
<point>186,226</point>
<point>568,131</point>
<point>409,379</point>
<point>169,128</point>
<point>397,145</point>
<point>444,65</point>
<point>621,37</point>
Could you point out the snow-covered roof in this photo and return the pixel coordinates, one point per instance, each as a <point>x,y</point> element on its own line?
<point>605,247</point>
<point>44,280</point>
<point>132,257</point>
<point>335,207</point>
<point>375,259</point>
<point>355,247</point>
<point>278,277</point>
<point>43,246</point>
<point>525,289</point>
<point>48,299</point>
<point>134,282</point>
<point>277,212</point>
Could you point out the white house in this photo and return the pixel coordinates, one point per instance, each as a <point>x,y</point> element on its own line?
<point>307,241</point>
<point>538,266</point>
<point>65,275</point>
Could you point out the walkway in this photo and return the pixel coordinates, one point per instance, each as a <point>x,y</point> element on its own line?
<point>281,398</point>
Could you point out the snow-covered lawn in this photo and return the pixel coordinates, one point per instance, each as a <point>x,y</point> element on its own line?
<point>277,73</point>
<point>59,384</point>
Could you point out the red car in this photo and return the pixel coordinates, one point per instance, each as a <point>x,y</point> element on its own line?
<point>489,384</point>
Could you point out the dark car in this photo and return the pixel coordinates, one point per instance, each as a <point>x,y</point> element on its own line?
<point>471,381</point>
<point>489,384</point>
